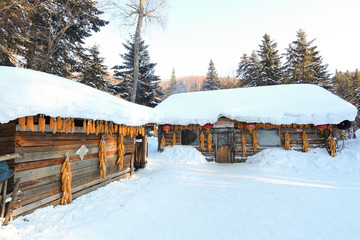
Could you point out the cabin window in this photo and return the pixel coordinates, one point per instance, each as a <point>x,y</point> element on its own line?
<point>269,138</point>
<point>189,137</point>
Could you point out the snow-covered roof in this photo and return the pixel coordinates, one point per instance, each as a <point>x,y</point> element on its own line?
<point>280,104</point>
<point>26,92</point>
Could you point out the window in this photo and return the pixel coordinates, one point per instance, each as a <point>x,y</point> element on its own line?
<point>269,138</point>
<point>189,137</point>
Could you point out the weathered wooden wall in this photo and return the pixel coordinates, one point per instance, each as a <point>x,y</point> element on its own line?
<point>7,145</point>
<point>314,136</point>
<point>315,139</point>
<point>42,155</point>
<point>169,138</point>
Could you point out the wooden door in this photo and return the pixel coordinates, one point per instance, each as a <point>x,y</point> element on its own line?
<point>224,146</point>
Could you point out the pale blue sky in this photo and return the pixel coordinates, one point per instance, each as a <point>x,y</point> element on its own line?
<point>200,30</point>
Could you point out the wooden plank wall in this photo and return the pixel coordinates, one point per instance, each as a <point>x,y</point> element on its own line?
<point>210,156</point>
<point>7,145</point>
<point>315,139</point>
<point>169,137</point>
<point>42,158</point>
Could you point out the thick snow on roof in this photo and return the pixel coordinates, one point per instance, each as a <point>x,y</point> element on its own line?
<point>26,92</point>
<point>281,104</point>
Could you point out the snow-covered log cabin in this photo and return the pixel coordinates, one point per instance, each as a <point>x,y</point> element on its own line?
<point>62,139</point>
<point>229,125</point>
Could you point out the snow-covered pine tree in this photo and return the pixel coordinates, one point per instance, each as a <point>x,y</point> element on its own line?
<point>248,71</point>
<point>93,70</point>
<point>172,85</point>
<point>270,72</point>
<point>149,92</point>
<point>212,81</point>
<point>304,64</point>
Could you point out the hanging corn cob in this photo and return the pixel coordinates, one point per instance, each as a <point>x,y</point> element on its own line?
<point>210,142</point>
<point>305,141</point>
<point>63,125</point>
<point>30,122</point>
<point>41,123</point>
<point>59,123</point>
<point>66,181</point>
<point>287,140</point>
<point>116,128</point>
<point>88,127</point>
<point>72,125</point>
<point>111,128</point>
<point>22,122</point>
<point>121,152</point>
<point>255,140</point>
<point>143,132</point>
<point>102,157</point>
<point>163,142</point>
<point>243,142</point>
<point>174,140</point>
<point>202,141</point>
<point>53,124</point>
<point>332,146</point>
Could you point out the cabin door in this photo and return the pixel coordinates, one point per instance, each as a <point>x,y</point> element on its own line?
<point>224,147</point>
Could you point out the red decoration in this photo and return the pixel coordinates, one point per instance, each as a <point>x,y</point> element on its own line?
<point>207,127</point>
<point>250,126</point>
<point>166,128</point>
<point>324,126</point>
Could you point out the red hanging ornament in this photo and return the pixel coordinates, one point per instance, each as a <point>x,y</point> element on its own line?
<point>166,128</point>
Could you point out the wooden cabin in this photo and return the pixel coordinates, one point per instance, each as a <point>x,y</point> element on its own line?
<point>230,125</point>
<point>70,131</point>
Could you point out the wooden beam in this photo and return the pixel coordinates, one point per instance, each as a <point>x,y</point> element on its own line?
<point>9,156</point>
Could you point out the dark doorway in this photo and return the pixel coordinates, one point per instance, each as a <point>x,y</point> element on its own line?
<point>189,137</point>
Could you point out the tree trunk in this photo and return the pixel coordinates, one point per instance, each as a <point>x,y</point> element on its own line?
<point>136,52</point>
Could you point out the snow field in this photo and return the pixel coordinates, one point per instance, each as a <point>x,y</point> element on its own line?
<point>277,194</point>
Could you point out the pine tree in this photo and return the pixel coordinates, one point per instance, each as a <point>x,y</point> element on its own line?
<point>93,70</point>
<point>173,84</point>
<point>13,24</point>
<point>149,92</point>
<point>212,80</point>
<point>304,64</point>
<point>48,34</point>
<point>181,87</point>
<point>270,72</point>
<point>347,86</point>
<point>248,71</point>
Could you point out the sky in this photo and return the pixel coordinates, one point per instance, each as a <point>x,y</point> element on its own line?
<point>200,30</point>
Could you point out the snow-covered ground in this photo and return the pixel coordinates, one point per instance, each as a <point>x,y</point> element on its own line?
<point>277,194</point>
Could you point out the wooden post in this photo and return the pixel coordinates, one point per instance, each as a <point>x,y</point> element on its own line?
<point>13,199</point>
<point>3,199</point>
<point>143,152</point>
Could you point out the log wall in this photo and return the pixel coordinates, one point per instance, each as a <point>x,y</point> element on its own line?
<point>316,139</point>
<point>41,158</point>
<point>169,138</point>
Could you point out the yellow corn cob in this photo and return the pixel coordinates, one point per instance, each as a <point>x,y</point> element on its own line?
<point>30,122</point>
